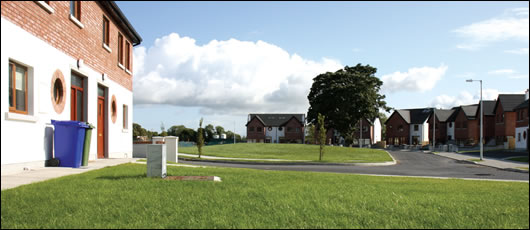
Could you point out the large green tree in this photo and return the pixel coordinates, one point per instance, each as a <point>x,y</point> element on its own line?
<point>346,96</point>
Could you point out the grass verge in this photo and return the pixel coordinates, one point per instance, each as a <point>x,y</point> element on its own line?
<point>292,152</point>
<point>520,159</point>
<point>122,197</point>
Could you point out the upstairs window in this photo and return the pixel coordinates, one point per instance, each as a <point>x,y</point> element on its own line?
<point>106,36</point>
<point>251,129</point>
<point>416,128</point>
<point>75,9</point>
<point>127,55</point>
<point>260,129</point>
<point>120,49</point>
<point>18,88</point>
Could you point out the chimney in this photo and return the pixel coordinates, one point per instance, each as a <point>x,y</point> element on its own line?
<point>526,94</point>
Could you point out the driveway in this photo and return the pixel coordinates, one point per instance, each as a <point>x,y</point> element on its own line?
<point>408,164</point>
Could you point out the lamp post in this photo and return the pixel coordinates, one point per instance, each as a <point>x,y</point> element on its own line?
<point>481,117</point>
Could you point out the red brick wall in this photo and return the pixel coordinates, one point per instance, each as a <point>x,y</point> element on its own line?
<point>500,130</point>
<point>524,121</point>
<point>488,127</point>
<point>470,133</point>
<point>255,134</point>
<point>395,121</point>
<point>293,135</point>
<point>509,123</point>
<point>60,32</point>
<point>440,133</point>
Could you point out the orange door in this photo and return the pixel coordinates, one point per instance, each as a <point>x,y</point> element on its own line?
<point>101,127</point>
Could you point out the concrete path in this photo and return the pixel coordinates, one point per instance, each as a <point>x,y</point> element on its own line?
<point>45,173</point>
<point>487,161</point>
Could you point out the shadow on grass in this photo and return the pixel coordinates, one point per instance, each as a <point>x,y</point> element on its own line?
<point>122,177</point>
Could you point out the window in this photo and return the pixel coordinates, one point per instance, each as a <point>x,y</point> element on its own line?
<point>260,129</point>
<point>120,49</point>
<point>18,88</point>
<point>450,124</point>
<point>125,117</point>
<point>400,128</point>
<point>77,104</point>
<point>464,125</point>
<point>106,31</point>
<point>251,129</point>
<point>297,130</point>
<point>518,137</point>
<point>289,129</point>
<point>416,127</point>
<point>127,55</point>
<point>75,9</point>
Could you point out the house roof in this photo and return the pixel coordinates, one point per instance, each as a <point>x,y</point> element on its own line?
<point>488,108</point>
<point>522,105</point>
<point>122,21</point>
<point>470,110</point>
<point>510,101</point>
<point>444,114</point>
<point>415,116</point>
<point>276,119</point>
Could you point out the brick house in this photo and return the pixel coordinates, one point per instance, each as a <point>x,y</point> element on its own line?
<point>65,61</point>
<point>441,126</point>
<point>488,129</point>
<point>408,127</point>
<point>521,125</point>
<point>466,125</point>
<point>275,128</point>
<point>505,116</point>
<point>371,134</point>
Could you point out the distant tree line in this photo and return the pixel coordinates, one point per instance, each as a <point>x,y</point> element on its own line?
<point>186,134</point>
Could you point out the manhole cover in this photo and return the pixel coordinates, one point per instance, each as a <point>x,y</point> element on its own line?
<point>483,174</point>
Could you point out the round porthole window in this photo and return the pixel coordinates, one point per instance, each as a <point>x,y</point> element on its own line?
<point>280,129</point>
<point>113,109</point>
<point>270,128</point>
<point>58,89</point>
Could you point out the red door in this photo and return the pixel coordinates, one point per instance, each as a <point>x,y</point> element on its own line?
<point>101,127</point>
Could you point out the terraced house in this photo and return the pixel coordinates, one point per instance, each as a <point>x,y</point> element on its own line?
<point>275,128</point>
<point>65,60</point>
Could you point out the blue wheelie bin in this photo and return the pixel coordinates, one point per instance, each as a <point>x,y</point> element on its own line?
<point>69,138</point>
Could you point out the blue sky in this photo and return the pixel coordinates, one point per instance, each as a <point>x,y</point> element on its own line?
<point>223,60</point>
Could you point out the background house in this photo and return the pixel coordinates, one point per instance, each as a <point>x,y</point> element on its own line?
<point>408,126</point>
<point>65,60</point>
<point>275,128</point>
<point>521,125</point>
<point>488,129</point>
<point>441,126</point>
<point>466,125</point>
<point>505,118</point>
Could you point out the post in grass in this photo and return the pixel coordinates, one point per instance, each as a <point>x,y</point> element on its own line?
<point>321,134</point>
<point>200,138</point>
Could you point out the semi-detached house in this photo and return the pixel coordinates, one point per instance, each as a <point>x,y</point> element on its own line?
<point>65,60</point>
<point>408,127</point>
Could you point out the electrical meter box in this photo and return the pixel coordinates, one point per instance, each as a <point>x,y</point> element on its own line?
<point>156,160</point>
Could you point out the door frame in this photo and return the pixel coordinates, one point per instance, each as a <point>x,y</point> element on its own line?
<point>105,121</point>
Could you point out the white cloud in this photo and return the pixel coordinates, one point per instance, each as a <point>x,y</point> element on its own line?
<point>415,79</point>
<point>521,51</point>
<point>513,25</point>
<point>225,77</point>
<point>502,71</point>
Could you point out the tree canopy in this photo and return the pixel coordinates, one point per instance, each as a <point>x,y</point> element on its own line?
<point>346,96</point>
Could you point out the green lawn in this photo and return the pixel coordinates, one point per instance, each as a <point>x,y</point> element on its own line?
<point>122,197</point>
<point>292,152</point>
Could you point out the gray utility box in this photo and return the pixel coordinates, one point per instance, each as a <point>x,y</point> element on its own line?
<point>156,161</point>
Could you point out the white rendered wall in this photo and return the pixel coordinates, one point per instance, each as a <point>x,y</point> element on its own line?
<point>377,131</point>
<point>451,130</point>
<point>275,134</point>
<point>521,144</point>
<point>28,140</point>
<point>425,128</point>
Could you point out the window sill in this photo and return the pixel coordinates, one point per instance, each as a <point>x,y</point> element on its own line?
<point>76,22</point>
<point>127,71</point>
<point>124,130</point>
<point>45,6</point>
<point>21,117</point>
<point>107,48</point>
<point>121,66</point>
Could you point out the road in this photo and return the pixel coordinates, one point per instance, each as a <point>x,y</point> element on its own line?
<point>408,164</point>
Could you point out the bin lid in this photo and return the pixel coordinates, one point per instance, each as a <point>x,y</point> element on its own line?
<point>70,123</point>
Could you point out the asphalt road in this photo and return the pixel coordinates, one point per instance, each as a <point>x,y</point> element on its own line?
<point>408,164</point>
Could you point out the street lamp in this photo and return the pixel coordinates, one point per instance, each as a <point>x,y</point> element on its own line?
<point>481,117</point>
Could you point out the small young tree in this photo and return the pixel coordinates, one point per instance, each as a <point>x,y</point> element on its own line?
<point>200,138</point>
<point>321,134</point>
